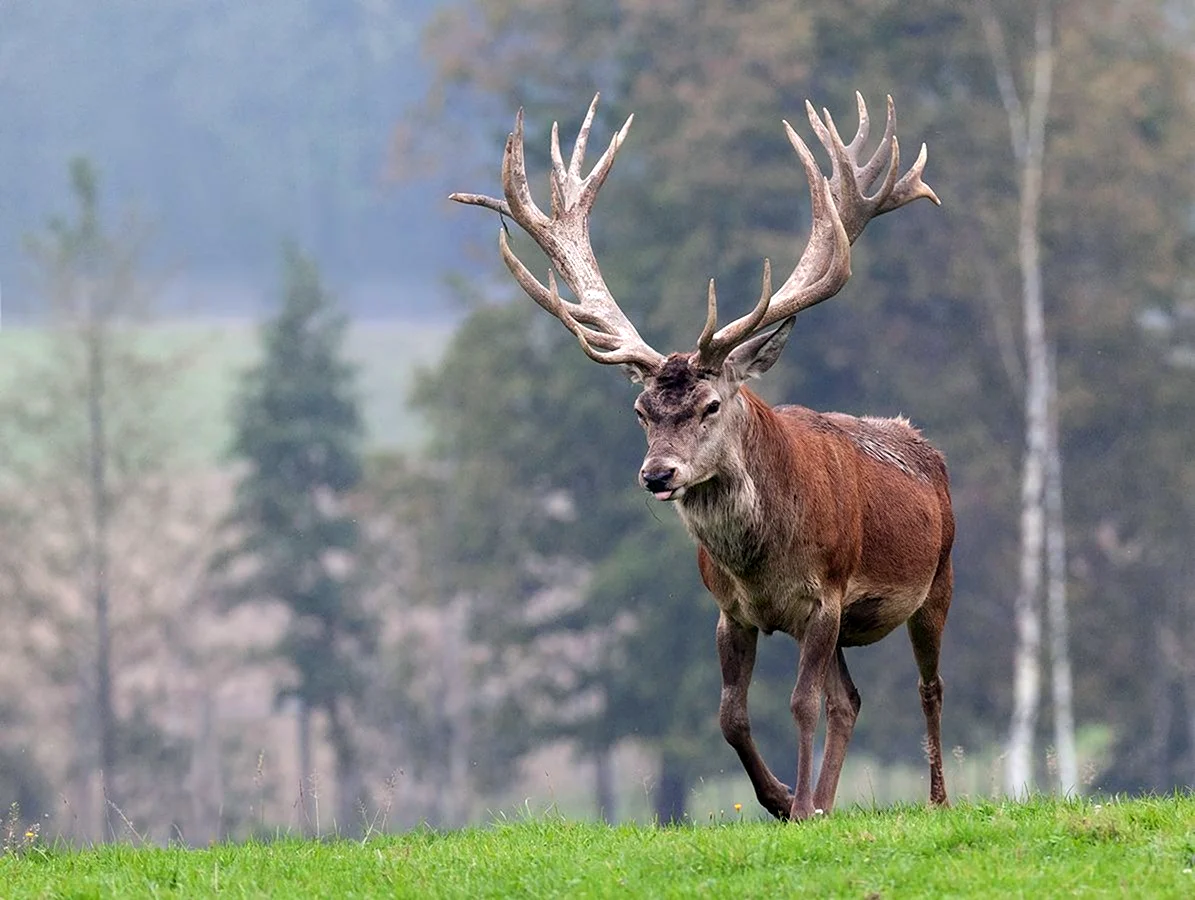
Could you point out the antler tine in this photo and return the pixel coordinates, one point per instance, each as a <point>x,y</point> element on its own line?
<point>514,179</point>
<point>864,129</point>
<point>556,183</point>
<point>840,209</point>
<point>843,182</point>
<point>603,330</point>
<point>574,163</point>
<point>711,319</point>
<point>911,187</point>
<point>533,287</point>
<point>584,190</point>
<point>825,263</point>
<point>713,346</point>
<point>597,176</point>
<point>499,206</point>
<point>872,168</point>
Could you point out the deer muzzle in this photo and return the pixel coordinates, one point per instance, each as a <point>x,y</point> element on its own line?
<point>659,477</point>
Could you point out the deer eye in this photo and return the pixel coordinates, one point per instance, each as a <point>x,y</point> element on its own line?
<point>642,418</point>
<point>711,408</point>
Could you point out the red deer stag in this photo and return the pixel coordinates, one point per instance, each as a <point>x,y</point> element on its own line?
<point>830,528</point>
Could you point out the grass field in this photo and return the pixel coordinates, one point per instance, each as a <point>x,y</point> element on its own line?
<point>1142,848</point>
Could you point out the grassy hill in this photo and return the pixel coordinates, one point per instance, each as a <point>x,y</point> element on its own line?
<point>1044,848</point>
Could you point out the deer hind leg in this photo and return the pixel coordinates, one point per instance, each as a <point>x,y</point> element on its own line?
<point>925,631</point>
<point>818,646</point>
<point>842,709</point>
<point>736,653</point>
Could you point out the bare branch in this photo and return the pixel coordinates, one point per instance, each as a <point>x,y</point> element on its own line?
<point>993,33</point>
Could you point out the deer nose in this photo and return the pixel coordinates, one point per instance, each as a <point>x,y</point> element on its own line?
<point>656,480</point>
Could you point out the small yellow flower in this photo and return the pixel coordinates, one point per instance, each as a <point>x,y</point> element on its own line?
<point>738,807</point>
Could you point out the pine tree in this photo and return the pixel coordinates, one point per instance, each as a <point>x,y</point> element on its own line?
<point>298,427</point>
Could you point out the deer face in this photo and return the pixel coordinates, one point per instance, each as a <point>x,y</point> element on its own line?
<point>693,417</point>
<point>685,414</point>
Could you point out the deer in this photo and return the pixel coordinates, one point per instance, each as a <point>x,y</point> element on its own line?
<point>826,527</point>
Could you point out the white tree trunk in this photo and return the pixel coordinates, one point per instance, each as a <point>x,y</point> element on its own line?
<point>1027,130</point>
<point>1018,769</point>
<point>1056,607</point>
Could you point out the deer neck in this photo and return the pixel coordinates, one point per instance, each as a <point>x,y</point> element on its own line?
<point>728,513</point>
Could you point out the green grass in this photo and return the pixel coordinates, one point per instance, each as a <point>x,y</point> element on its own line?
<point>1081,848</point>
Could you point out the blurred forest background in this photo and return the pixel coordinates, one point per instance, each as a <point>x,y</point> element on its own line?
<point>309,521</point>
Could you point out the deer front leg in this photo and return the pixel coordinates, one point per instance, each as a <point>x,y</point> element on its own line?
<point>736,653</point>
<point>817,651</point>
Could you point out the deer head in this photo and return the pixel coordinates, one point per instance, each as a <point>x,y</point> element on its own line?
<point>690,407</point>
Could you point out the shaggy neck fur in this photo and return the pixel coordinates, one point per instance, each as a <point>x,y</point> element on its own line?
<point>727,513</point>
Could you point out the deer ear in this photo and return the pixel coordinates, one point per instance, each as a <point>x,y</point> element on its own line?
<point>753,357</point>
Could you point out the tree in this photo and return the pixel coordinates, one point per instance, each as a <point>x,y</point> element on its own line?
<point>1125,112</point>
<point>524,506</point>
<point>1027,127</point>
<point>298,431</point>
<point>435,712</point>
<point>90,432</point>
<point>655,674</point>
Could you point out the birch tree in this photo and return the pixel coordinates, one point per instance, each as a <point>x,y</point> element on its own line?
<point>1061,686</point>
<point>1041,466</point>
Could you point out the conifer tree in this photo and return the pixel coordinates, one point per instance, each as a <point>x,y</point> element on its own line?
<point>298,427</point>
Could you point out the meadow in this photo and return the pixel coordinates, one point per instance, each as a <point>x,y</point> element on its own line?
<point>1043,848</point>
<point>213,353</point>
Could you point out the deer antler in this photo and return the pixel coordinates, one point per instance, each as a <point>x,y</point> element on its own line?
<point>841,210</point>
<point>603,330</point>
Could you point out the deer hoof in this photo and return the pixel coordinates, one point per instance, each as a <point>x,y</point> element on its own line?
<point>779,801</point>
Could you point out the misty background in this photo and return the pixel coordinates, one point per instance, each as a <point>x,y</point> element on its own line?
<point>230,128</point>
<point>310,521</point>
